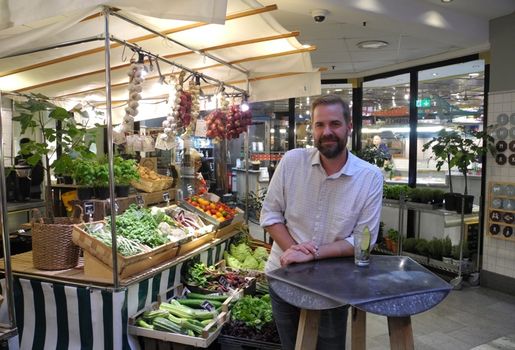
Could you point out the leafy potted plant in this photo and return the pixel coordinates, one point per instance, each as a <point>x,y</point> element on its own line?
<point>409,245</point>
<point>102,179</point>
<point>125,171</point>
<point>435,247</point>
<point>376,156</point>
<point>447,250</point>
<point>256,201</point>
<point>392,238</point>
<point>52,246</point>
<point>460,148</point>
<point>37,113</point>
<point>422,247</point>
<point>84,175</point>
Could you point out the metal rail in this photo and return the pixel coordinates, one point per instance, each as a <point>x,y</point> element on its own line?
<point>166,37</point>
<point>180,66</point>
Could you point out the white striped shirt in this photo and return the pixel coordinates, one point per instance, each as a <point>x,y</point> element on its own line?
<point>318,207</point>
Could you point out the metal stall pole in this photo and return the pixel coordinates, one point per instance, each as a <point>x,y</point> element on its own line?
<point>109,117</point>
<point>246,155</point>
<point>9,293</point>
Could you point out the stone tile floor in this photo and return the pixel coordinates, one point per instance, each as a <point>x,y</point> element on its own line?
<point>471,318</point>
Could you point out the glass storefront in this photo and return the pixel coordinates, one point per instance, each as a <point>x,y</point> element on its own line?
<point>449,97</point>
<point>385,125</point>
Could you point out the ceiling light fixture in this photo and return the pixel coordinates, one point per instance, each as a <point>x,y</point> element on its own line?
<point>446,1</point>
<point>372,44</point>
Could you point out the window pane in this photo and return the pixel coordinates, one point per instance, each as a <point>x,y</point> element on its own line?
<point>448,98</point>
<point>385,131</point>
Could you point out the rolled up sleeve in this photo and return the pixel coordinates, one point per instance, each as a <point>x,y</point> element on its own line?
<point>274,204</point>
<point>371,214</point>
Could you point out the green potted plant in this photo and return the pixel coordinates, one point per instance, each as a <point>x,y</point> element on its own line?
<point>460,148</point>
<point>409,244</point>
<point>392,238</point>
<point>435,247</point>
<point>447,250</point>
<point>376,156</point>
<point>422,247</point>
<point>125,171</point>
<point>37,113</point>
<point>84,174</point>
<point>102,179</point>
<point>256,201</point>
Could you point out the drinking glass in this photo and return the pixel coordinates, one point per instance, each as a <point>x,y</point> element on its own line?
<point>362,248</point>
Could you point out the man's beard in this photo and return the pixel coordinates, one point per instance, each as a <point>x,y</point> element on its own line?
<point>331,151</point>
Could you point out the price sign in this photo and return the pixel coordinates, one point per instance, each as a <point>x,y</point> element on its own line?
<point>166,196</point>
<point>206,305</point>
<point>116,206</point>
<point>89,208</point>
<point>139,200</point>
<point>223,281</point>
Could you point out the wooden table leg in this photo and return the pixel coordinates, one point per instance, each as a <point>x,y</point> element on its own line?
<point>401,334</point>
<point>307,333</point>
<point>358,329</point>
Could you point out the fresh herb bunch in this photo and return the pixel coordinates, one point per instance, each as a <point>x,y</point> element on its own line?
<point>125,171</point>
<point>140,225</point>
<point>253,311</point>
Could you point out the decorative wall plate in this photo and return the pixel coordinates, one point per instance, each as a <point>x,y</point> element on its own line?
<point>512,146</point>
<point>501,146</point>
<point>503,119</point>
<point>501,133</point>
<point>512,119</point>
<point>494,229</point>
<point>507,231</point>
<point>500,159</point>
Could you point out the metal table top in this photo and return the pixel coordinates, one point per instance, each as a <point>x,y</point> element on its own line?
<point>390,286</point>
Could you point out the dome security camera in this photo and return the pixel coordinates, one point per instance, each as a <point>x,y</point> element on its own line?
<point>319,15</point>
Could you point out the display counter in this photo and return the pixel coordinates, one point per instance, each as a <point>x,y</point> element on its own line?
<point>67,309</point>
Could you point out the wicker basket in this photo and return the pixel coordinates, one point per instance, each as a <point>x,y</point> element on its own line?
<point>52,246</point>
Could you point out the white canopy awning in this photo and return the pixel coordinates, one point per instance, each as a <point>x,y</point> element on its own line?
<point>250,39</point>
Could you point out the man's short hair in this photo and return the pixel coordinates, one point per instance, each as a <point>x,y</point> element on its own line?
<point>332,100</point>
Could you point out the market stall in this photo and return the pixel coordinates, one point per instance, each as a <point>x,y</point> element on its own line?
<point>82,69</point>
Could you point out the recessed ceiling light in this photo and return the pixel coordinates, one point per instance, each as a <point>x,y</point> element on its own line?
<point>446,1</point>
<point>372,44</point>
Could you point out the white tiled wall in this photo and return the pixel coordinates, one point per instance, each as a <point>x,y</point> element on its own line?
<point>499,255</point>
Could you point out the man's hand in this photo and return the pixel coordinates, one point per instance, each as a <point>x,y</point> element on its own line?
<point>307,247</point>
<point>295,255</point>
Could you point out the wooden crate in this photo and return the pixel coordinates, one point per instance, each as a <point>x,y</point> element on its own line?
<point>98,259</point>
<point>195,243</point>
<point>157,197</point>
<point>203,341</point>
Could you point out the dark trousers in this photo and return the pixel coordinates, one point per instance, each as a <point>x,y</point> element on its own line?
<point>332,328</point>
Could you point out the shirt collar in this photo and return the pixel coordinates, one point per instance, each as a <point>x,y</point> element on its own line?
<point>348,169</point>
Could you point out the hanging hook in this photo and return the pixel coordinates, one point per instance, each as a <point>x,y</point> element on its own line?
<point>124,58</point>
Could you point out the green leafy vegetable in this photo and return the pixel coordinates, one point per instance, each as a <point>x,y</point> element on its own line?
<point>253,311</point>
